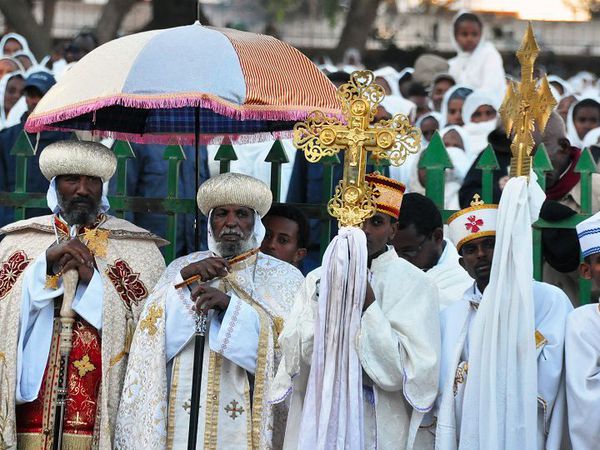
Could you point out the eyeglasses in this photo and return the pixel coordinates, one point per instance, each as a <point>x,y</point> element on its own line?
<point>411,252</point>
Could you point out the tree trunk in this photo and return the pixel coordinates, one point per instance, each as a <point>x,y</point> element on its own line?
<point>20,16</point>
<point>169,13</point>
<point>112,17</point>
<point>359,21</point>
<point>49,9</point>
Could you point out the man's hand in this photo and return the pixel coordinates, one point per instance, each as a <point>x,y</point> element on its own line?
<point>369,297</point>
<point>72,254</point>
<point>207,297</point>
<point>208,269</point>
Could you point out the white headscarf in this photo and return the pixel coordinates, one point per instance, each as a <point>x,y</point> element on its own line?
<point>567,88</point>
<point>16,61</point>
<point>52,198</point>
<point>258,233</point>
<point>446,100</point>
<point>592,138</point>
<point>572,134</point>
<point>395,103</point>
<point>3,84</point>
<point>582,82</point>
<point>433,115</point>
<point>17,37</point>
<point>464,136</point>
<point>478,132</point>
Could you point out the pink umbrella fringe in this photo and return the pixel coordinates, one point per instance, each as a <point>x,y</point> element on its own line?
<point>245,112</point>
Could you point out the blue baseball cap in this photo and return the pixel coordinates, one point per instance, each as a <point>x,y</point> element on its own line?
<point>42,81</point>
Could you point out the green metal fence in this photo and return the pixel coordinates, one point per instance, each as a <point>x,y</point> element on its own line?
<point>435,161</point>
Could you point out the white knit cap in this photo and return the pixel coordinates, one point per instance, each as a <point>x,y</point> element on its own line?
<point>78,158</point>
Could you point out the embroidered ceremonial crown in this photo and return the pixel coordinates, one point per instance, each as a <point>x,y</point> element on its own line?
<point>78,158</point>
<point>479,220</point>
<point>388,194</point>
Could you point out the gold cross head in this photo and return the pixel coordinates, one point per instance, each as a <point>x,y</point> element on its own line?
<point>394,139</point>
<point>526,104</point>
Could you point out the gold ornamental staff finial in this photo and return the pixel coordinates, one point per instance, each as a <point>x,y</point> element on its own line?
<point>321,136</point>
<point>524,105</point>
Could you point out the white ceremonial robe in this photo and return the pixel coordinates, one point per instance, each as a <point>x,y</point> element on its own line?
<point>551,309</point>
<point>239,348</point>
<point>37,323</point>
<point>398,347</point>
<point>582,360</point>
<point>449,276</point>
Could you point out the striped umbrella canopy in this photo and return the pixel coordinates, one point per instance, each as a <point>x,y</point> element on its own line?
<point>187,85</point>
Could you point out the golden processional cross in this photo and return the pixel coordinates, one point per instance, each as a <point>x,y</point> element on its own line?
<point>321,136</point>
<point>524,105</point>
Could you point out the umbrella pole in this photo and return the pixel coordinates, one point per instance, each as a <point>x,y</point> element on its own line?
<point>201,322</point>
<point>197,175</point>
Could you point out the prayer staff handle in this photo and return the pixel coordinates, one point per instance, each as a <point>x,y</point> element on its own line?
<point>67,318</point>
<point>234,260</point>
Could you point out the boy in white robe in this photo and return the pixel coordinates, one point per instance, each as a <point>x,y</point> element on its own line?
<point>397,344</point>
<point>473,230</point>
<point>582,348</point>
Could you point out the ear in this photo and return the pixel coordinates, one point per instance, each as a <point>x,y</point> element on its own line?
<point>585,270</point>
<point>393,229</point>
<point>461,261</point>
<point>300,255</point>
<point>438,235</point>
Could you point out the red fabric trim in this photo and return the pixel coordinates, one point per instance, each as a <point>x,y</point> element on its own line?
<point>568,181</point>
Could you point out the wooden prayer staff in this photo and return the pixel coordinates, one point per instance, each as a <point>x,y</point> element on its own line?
<point>67,318</point>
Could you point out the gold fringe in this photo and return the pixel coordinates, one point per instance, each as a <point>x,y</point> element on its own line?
<point>29,441</point>
<point>77,441</point>
<point>213,390</point>
<point>172,401</point>
<point>259,380</point>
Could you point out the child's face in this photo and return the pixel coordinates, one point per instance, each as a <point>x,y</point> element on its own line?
<point>483,114</point>
<point>468,35</point>
<point>455,112</point>
<point>586,119</point>
<point>453,139</point>
<point>591,270</point>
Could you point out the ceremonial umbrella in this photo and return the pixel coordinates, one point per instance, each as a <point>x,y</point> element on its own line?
<point>184,85</point>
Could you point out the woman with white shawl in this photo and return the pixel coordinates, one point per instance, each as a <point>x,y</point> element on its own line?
<point>452,104</point>
<point>454,177</point>
<point>479,112</point>
<point>394,103</point>
<point>477,64</point>
<point>11,90</point>
<point>8,48</point>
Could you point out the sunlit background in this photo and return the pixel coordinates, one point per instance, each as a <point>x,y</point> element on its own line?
<point>529,9</point>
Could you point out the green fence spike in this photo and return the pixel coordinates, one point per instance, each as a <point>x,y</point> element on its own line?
<point>586,166</point>
<point>174,154</point>
<point>225,155</point>
<point>541,165</point>
<point>327,192</point>
<point>379,165</point>
<point>22,150</point>
<point>487,164</point>
<point>123,152</point>
<point>23,146</point>
<point>276,157</point>
<point>435,161</point>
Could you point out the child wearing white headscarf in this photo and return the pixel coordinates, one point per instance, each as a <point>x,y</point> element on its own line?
<point>15,37</point>
<point>477,64</point>
<point>3,92</point>
<point>452,104</point>
<point>394,102</point>
<point>479,112</point>
<point>578,126</point>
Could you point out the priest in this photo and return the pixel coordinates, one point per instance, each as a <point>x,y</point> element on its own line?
<point>460,418</point>
<point>117,265</point>
<point>582,347</point>
<point>247,296</point>
<point>397,345</point>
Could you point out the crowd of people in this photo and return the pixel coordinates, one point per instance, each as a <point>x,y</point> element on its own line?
<point>107,360</point>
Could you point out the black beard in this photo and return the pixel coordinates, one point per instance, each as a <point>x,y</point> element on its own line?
<point>79,210</point>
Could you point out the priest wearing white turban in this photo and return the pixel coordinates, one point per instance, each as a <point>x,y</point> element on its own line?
<point>247,296</point>
<point>491,395</point>
<point>117,265</point>
<point>396,345</point>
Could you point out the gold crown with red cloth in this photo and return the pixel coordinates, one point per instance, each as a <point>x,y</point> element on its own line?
<point>473,223</point>
<point>388,193</point>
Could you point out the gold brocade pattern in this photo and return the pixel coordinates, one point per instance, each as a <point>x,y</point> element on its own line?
<point>461,375</point>
<point>148,324</point>
<point>97,241</point>
<point>84,365</point>
<point>212,401</point>
<point>173,402</point>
